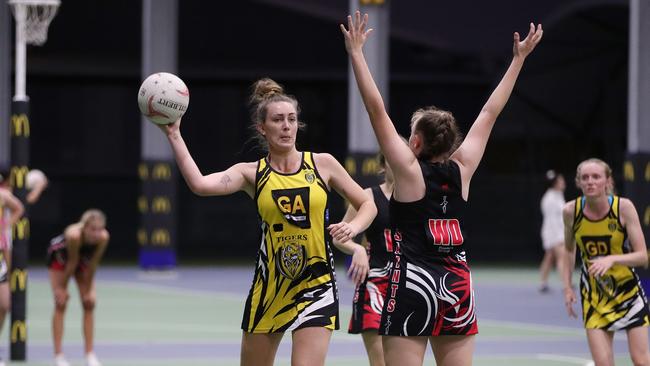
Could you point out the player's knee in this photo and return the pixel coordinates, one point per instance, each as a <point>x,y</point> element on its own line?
<point>88,303</point>
<point>60,305</point>
<point>640,358</point>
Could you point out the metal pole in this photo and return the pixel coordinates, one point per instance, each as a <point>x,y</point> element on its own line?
<point>21,54</point>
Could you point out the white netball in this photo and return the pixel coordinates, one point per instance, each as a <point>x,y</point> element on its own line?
<point>163,98</point>
<point>35,177</point>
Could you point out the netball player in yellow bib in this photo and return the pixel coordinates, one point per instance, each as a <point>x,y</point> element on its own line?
<point>294,287</point>
<point>607,231</point>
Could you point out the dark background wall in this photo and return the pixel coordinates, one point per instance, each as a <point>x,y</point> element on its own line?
<point>569,104</point>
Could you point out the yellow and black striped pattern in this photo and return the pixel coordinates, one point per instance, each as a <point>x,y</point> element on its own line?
<point>615,300</point>
<point>294,284</point>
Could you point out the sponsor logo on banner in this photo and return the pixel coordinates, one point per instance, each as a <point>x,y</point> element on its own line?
<point>628,171</point>
<point>160,237</point>
<point>372,2</point>
<point>143,204</point>
<point>161,204</point>
<point>18,331</point>
<point>143,171</point>
<point>370,166</point>
<point>142,236</point>
<point>161,171</point>
<point>21,229</point>
<point>18,279</point>
<point>20,125</point>
<point>18,176</point>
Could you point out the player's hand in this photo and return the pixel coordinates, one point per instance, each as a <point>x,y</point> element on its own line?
<point>61,296</point>
<point>359,267</point>
<point>342,231</point>
<point>569,300</point>
<point>172,128</point>
<point>356,34</point>
<point>525,47</point>
<point>599,266</point>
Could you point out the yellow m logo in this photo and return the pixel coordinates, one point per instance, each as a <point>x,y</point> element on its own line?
<point>370,166</point>
<point>142,236</point>
<point>161,204</point>
<point>18,331</point>
<point>18,176</point>
<point>21,229</point>
<point>143,171</point>
<point>20,125</point>
<point>143,204</point>
<point>351,166</point>
<point>371,2</point>
<point>160,237</point>
<point>647,172</point>
<point>646,216</point>
<point>18,277</point>
<point>161,171</point>
<point>628,171</point>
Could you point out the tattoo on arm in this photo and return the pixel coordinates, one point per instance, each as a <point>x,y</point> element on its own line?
<point>225,180</point>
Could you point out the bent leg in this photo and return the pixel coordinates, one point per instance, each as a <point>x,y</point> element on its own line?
<point>57,284</point>
<point>372,341</point>
<point>404,351</point>
<point>87,294</point>
<point>453,350</point>
<point>258,349</point>
<point>309,346</point>
<point>637,340</point>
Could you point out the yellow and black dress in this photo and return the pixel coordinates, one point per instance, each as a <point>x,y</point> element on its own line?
<point>294,284</point>
<point>615,300</point>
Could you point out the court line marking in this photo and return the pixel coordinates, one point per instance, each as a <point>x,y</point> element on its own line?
<point>569,359</point>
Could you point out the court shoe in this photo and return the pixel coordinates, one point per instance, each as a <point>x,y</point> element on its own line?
<point>59,360</point>
<point>91,359</point>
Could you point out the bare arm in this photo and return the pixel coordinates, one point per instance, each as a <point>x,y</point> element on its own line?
<point>570,258</point>
<point>238,177</point>
<point>73,245</point>
<point>98,254</point>
<point>470,152</point>
<point>13,204</point>
<point>336,177</point>
<point>359,266</point>
<point>638,257</point>
<point>409,184</point>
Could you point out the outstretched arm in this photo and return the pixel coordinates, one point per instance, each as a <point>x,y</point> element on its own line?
<point>471,151</point>
<point>236,178</point>
<point>399,155</point>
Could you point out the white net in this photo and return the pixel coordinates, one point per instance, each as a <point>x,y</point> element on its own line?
<point>34,17</point>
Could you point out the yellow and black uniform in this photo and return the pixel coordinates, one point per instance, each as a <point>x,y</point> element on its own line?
<point>615,300</point>
<point>294,284</point>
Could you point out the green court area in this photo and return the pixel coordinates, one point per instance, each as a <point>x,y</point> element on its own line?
<point>163,323</point>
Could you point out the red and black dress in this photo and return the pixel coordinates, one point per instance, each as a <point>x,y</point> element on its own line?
<point>430,289</point>
<point>369,295</point>
<point>57,254</point>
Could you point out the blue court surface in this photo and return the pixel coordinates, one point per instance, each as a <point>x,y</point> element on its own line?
<point>192,317</point>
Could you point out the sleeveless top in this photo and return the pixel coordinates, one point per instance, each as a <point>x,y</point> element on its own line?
<point>615,300</point>
<point>432,227</point>
<point>294,263</point>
